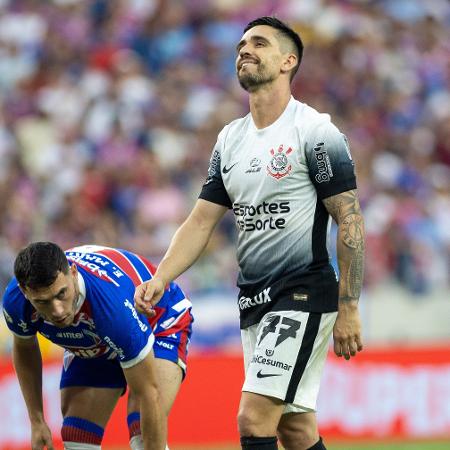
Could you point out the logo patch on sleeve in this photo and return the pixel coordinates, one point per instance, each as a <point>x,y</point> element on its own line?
<point>323,163</point>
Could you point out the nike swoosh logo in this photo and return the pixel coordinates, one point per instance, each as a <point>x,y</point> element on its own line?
<point>266,375</point>
<point>227,169</point>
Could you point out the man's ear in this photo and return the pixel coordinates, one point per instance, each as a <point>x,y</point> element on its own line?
<point>289,62</point>
<point>73,269</point>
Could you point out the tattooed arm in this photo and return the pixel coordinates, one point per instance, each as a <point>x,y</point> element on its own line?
<point>345,210</point>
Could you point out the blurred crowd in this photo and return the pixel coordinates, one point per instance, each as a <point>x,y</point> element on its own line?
<point>109,110</point>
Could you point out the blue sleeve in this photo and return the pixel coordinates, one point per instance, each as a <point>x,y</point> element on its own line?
<point>213,189</point>
<point>119,324</point>
<point>330,164</point>
<point>18,311</point>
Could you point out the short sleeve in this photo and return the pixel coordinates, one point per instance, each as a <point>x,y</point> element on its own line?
<point>329,161</point>
<point>18,311</point>
<point>213,189</point>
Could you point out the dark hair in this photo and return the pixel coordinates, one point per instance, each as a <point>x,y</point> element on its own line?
<point>285,31</point>
<point>38,265</point>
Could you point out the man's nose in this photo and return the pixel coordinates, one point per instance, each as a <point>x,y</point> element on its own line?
<point>244,51</point>
<point>57,310</point>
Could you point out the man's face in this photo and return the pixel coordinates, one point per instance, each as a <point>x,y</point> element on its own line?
<point>57,302</point>
<point>259,57</point>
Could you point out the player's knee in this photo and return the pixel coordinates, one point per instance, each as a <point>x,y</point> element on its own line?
<point>246,422</point>
<point>297,435</point>
<point>252,423</point>
<point>79,434</point>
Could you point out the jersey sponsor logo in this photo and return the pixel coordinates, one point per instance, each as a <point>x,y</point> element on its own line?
<point>279,166</point>
<point>325,171</point>
<point>247,216</point>
<point>98,347</point>
<point>258,299</point>
<point>69,335</point>
<point>259,359</point>
<point>255,166</point>
<point>95,268</point>
<point>76,256</point>
<point>117,349</point>
<point>164,344</point>
<point>130,306</point>
<point>214,164</point>
<point>227,169</point>
<point>267,375</point>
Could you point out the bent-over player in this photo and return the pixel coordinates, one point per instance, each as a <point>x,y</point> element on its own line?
<point>82,300</point>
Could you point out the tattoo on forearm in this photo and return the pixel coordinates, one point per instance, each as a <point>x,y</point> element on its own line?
<point>353,231</point>
<point>345,210</point>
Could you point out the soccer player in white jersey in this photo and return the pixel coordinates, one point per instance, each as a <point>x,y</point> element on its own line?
<point>285,170</point>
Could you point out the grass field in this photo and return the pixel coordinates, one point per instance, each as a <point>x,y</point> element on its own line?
<point>394,446</point>
<point>423,445</point>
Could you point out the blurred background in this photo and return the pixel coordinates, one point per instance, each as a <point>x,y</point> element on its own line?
<point>109,110</point>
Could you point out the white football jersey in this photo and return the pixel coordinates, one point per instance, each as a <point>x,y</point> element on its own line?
<point>274,179</point>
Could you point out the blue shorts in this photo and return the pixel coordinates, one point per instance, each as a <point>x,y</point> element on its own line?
<point>106,373</point>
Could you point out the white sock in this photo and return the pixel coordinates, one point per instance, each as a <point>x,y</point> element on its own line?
<point>136,443</point>
<point>81,446</point>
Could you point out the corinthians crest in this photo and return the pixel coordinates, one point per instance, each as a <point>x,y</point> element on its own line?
<point>279,166</point>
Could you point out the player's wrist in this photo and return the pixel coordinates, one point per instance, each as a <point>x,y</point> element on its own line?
<point>350,303</point>
<point>36,418</point>
<point>159,278</point>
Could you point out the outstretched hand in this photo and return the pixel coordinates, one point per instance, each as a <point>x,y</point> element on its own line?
<point>147,295</point>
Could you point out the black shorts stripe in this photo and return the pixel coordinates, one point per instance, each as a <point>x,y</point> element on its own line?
<point>311,331</point>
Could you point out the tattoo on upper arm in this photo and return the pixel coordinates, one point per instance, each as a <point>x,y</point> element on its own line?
<point>345,210</point>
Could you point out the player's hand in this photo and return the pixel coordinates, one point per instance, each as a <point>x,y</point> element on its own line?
<point>147,295</point>
<point>41,437</point>
<point>347,330</point>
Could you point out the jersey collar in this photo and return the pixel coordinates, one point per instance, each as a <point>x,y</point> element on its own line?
<point>82,294</point>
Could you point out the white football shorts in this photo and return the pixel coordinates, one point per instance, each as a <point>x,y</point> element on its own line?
<point>284,356</point>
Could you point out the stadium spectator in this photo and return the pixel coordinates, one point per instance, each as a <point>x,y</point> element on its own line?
<point>81,300</point>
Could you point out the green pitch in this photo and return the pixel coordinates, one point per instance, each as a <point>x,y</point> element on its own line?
<point>424,445</point>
